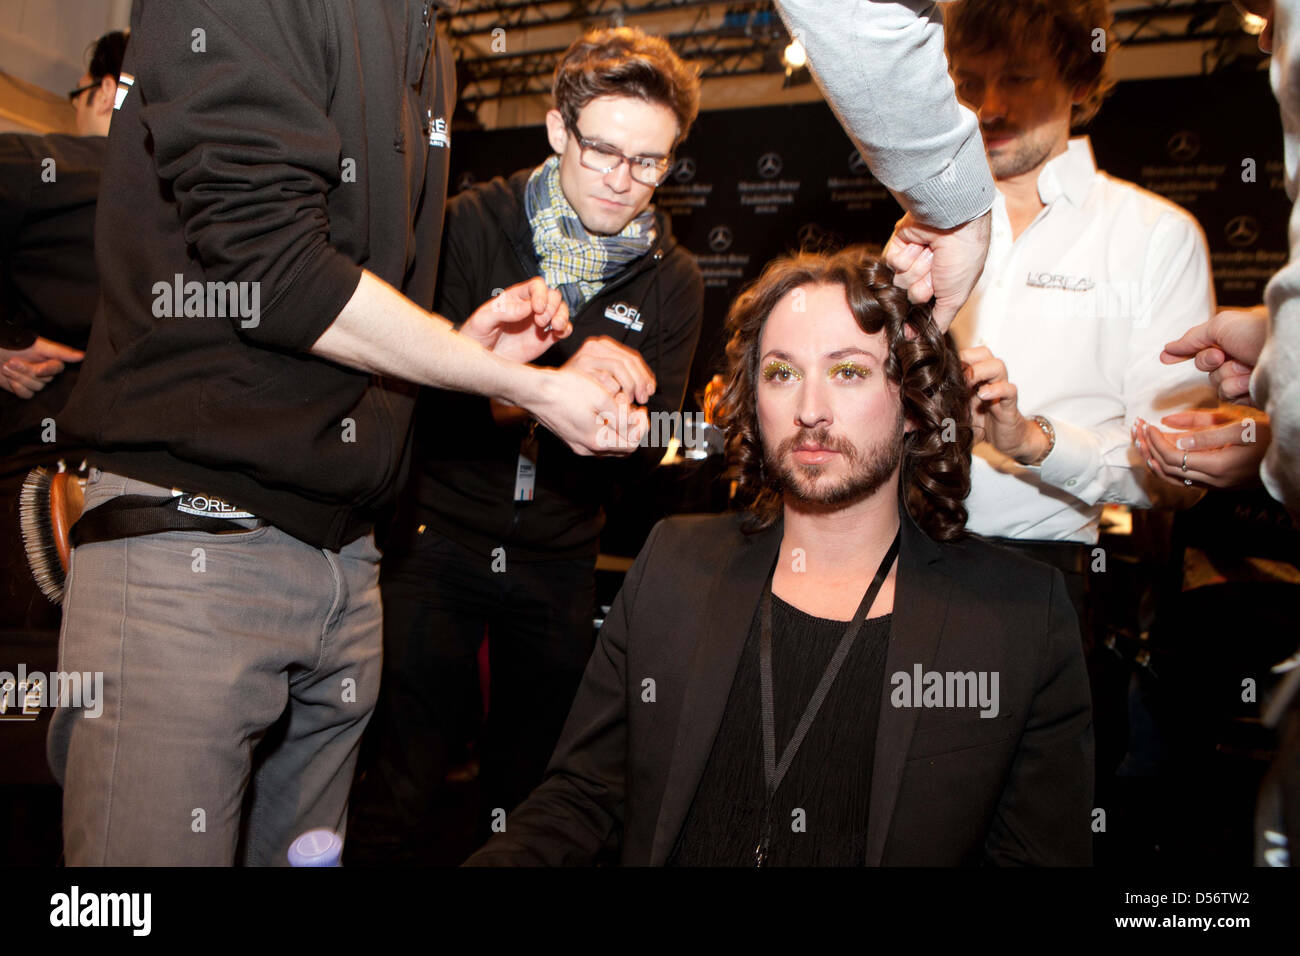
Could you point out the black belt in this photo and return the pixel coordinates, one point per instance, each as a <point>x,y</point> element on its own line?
<point>128,516</point>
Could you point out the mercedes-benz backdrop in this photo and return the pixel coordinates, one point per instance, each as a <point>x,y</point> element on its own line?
<point>751,183</point>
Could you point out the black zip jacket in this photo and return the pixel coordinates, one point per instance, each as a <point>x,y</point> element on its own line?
<point>463,480</point>
<point>288,144</point>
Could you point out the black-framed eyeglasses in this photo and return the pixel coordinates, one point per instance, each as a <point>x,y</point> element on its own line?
<point>603,158</point>
<point>73,94</point>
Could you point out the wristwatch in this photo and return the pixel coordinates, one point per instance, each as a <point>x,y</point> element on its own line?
<point>1050,432</point>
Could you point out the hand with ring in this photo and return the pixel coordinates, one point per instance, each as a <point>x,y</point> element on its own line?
<point>1217,447</point>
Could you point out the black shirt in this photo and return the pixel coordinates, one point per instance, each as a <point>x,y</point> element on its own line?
<point>829,779</point>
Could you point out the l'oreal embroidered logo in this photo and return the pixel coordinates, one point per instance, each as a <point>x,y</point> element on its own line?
<point>624,314</point>
<point>207,506</point>
<point>1052,280</point>
<point>438,132</point>
<point>124,84</point>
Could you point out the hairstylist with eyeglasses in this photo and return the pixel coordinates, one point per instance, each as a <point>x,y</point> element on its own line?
<point>501,526</point>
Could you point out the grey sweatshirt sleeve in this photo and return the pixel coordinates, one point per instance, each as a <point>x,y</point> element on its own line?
<point>1276,381</point>
<point>882,68</point>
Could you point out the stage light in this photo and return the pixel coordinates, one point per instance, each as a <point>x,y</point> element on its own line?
<point>794,55</point>
<point>1252,24</point>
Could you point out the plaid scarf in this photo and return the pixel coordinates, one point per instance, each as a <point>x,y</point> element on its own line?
<point>573,260</point>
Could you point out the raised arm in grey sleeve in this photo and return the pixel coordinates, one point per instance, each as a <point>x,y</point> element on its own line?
<point>881,66</point>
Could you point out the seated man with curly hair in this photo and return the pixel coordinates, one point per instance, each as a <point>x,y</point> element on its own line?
<point>836,675</point>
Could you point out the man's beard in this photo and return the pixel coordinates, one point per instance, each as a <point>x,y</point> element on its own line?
<point>1026,155</point>
<point>867,472</point>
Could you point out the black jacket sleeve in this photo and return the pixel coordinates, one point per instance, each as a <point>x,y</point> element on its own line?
<point>1043,817</point>
<point>577,810</point>
<point>235,97</point>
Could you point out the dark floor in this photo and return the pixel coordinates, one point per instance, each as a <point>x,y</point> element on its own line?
<point>1148,823</point>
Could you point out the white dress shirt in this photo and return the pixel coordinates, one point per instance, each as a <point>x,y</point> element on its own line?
<point>1079,308</point>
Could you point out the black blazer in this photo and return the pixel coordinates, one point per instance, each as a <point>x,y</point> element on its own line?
<point>948,786</point>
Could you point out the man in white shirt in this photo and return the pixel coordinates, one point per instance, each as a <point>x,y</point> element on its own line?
<point>1087,277</point>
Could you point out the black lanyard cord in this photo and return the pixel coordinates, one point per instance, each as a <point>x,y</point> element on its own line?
<point>773,772</point>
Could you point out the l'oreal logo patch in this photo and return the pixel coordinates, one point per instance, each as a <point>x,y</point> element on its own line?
<point>207,506</point>
<point>438,133</point>
<point>124,83</point>
<point>1054,280</point>
<point>624,314</point>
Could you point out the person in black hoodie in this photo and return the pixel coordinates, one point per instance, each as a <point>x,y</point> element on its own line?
<point>267,239</point>
<point>500,529</point>
<point>48,292</point>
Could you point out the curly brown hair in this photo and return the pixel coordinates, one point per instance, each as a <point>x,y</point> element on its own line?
<point>1066,27</point>
<point>935,475</point>
<point>626,61</point>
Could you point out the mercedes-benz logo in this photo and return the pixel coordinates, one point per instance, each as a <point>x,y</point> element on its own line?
<point>720,239</point>
<point>1183,145</point>
<point>857,164</point>
<point>684,170</point>
<point>812,237</point>
<point>769,165</point>
<point>1242,231</point>
<point>464,181</point>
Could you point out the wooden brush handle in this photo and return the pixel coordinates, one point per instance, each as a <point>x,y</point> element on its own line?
<point>66,502</point>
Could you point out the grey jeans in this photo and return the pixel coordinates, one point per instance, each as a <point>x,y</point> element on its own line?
<point>239,671</point>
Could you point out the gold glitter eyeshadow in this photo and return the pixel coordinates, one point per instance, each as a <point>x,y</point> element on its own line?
<point>772,369</point>
<point>859,371</point>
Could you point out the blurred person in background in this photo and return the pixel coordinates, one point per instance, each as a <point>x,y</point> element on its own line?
<point>49,186</point>
<point>1086,276</point>
<point>1253,359</point>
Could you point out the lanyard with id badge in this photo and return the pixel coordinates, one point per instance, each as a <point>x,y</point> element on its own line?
<point>526,469</point>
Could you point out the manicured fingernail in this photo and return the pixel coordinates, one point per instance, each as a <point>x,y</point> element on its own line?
<point>1182,444</point>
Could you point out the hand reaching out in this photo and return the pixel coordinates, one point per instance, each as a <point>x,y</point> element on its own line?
<point>24,372</point>
<point>522,322</point>
<point>1221,447</point>
<point>586,417</point>
<point>615,367</point>
<point>1227,346</point>
<point>995,410</point>
<point>943,264</point>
